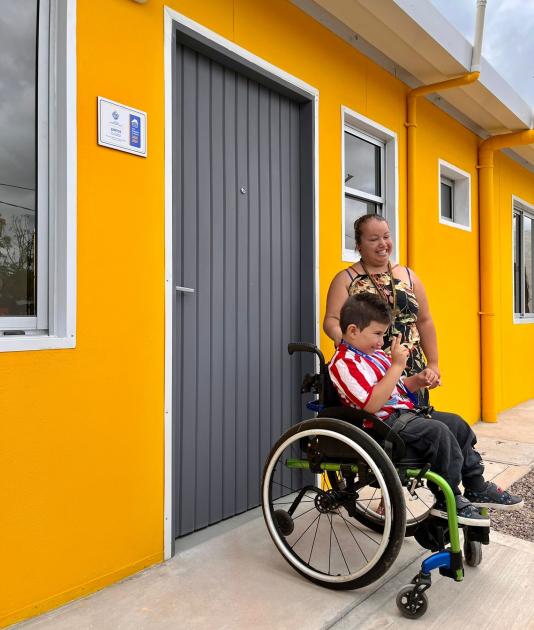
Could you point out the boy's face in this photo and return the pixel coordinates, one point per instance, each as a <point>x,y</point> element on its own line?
<point>369,339</point>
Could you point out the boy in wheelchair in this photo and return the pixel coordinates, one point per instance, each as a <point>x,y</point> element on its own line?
<point>366,378</point>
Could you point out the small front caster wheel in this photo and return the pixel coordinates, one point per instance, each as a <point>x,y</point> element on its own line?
<point>472,553</point>
<point>411,603</point>
<point>284,522</point>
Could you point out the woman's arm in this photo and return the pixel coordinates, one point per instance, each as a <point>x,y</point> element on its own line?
<point>337,295</point>
<point>425,326</point>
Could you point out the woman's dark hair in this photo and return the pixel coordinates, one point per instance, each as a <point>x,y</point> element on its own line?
<point>361,221</point>
<point>362,309</point>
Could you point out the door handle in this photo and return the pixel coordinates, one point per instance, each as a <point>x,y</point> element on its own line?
<point>184,289</point>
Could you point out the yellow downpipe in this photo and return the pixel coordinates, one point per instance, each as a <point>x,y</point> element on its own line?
<point>490,325</point>
<point>411,124</point>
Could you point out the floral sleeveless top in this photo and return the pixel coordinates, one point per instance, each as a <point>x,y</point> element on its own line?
<point>405,322</point>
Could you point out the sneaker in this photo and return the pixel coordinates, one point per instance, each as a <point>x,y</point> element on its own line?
<point>467,513</point>
<point>495,498</point>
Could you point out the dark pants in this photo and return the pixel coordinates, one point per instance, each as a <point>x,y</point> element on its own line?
<point>446,442</point>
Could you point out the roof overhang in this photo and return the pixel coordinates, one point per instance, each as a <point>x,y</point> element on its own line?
<point>412,40</point>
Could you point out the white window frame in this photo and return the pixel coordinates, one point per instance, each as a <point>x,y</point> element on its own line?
<point>461,195</point>
<point>523,208</point>
<point>54,326</point>
<point>371,131</point>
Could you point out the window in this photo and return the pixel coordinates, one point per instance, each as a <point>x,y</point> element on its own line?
<point>37,174</point>
<point>523,244</point>
<point>21,250</point>
<point>454,196</point>
<point>369,176</point>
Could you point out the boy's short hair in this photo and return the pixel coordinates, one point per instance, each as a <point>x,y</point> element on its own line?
<point>362,309</point>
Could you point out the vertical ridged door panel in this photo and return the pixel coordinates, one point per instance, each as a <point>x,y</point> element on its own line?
<point>237,243</point>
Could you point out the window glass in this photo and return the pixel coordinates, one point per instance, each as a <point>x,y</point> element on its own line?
<point>362,165</point>
<point>527,260</point>
<point>355,208</point>
<point>18,52</point>
<point>516,239</point>
<point>446,200</point>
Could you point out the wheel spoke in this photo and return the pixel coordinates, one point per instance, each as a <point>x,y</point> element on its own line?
<point>307,528</point>
<point>329,516</point>
<point>357,543</point>
<point>377,542</point>
<point>314,538</point>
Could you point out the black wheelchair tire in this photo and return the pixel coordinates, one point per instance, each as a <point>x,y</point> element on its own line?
<point>376,454</point>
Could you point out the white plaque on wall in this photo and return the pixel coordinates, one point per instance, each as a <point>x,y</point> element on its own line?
<point>121,127</point>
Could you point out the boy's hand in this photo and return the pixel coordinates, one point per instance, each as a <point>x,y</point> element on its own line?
<point>399,352</point>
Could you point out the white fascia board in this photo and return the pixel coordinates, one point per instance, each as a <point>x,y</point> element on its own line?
<point>445,35</point>
<point>438,28</point>
<point>412,38</point>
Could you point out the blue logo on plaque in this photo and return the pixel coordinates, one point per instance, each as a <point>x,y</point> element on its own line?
<point>135,131</point>
<point>115,115</point>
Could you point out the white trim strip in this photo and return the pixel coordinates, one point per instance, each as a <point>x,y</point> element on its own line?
<point>169,293</point>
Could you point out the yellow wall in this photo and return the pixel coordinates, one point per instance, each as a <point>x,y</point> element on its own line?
<point>446,259</point>
<point>82,444</point>
<point>517,340</point>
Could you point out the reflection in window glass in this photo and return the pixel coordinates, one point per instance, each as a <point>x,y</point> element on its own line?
<point>362,165</point>
<point>446,200</point>
<point>18,52</point>
<point>527,258</point>
<point>354,209</point>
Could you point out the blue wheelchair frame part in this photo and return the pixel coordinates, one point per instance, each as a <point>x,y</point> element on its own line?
<point>435,561</point>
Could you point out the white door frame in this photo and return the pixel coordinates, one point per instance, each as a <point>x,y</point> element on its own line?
<point>170,17</point>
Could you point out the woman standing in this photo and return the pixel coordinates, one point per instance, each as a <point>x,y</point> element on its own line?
<point>399,286</point>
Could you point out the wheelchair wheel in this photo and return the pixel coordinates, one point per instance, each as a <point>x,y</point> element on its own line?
<point>411,603</point>
<point>369,509</point>
<point>317,527</point>
<point>472,553</point>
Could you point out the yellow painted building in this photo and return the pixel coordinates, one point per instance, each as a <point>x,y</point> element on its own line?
<point>86,460</point>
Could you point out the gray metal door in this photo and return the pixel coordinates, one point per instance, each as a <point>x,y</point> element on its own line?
<point>243,267</point>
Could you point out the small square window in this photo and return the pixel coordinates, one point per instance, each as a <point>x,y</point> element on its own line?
<point>454,196</point>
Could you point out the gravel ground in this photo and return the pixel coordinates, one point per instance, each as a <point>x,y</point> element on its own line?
<point>521,522</point>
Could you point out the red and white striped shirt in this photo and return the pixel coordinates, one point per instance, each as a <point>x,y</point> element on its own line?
<point>354,375</point>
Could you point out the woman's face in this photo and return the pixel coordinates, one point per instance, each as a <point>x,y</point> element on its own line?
<point>376,245</point>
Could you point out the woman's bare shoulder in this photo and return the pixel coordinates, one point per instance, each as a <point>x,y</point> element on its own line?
<point>401,272</point>
<point>344,277</point>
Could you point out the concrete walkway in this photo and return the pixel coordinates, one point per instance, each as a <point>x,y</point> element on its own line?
<point>230,576</point>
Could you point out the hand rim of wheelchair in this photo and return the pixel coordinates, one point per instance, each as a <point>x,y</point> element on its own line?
<point>394,522</point>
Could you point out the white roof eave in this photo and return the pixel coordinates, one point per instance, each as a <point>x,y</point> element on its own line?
<point>419,43</point>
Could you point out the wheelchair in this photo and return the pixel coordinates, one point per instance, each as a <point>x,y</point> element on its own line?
<point>339,495</point>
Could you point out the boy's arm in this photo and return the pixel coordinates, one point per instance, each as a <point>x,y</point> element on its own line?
<point>426,378</point>
<point>383,389</point>
<point>414,382</point>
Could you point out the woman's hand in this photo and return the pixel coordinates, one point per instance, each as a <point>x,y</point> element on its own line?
<point>432,375</point>
<point>429,379</point>
<point>399,352</point>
